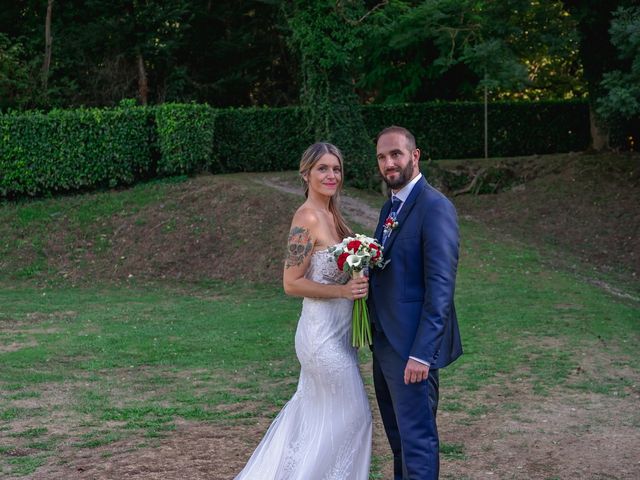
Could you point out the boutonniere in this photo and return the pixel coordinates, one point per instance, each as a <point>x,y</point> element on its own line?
<point>390,224</point>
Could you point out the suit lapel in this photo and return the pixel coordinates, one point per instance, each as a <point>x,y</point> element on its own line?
<point>386,208</point>
<point>404,212</point>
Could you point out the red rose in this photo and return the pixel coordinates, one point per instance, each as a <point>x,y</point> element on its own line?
<point>341,259</point>
<point>354,245</point>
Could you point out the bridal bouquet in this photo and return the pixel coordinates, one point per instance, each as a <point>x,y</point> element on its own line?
<point>353,255</point>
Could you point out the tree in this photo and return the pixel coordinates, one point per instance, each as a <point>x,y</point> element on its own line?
<point>452,49</point>
<point>48,40</point>
<point>461,49</point>
<point>14,73</point>
<point>236,54</point>
<point>21,54</point>
<point>621,96</point>
<point>135,44</point>
<point>327,37</point>
<point>597,54</point>
<point>224,52</point>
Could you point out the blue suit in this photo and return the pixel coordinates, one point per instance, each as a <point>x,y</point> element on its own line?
<point>413,314</point>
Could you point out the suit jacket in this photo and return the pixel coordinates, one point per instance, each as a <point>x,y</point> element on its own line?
<point>411,298</point>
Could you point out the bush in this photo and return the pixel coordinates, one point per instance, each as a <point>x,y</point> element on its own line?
<point>88,148</point>
<point>185,137</point>
<point>456,130</point>
<point>625,134</point>
<point>73,149</point>
<point>259,139</point>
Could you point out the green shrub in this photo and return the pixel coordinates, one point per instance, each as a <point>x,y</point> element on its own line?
<point>625,134</point>
<point>259,139</point>
<point>67,150</point>
<point>88,148</point>
<point>456,130</point>
<point>185,137</point>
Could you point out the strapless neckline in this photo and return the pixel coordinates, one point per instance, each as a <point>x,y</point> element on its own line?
<point>324,269</point>
<point>326,249</point>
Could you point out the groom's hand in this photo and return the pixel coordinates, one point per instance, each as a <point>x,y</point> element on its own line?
<point>415,372</point>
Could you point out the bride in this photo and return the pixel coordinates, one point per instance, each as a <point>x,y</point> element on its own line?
<point>324,431</point>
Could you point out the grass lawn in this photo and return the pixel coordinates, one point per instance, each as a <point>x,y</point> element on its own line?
<point>105,369</point>
<point>85,367</point>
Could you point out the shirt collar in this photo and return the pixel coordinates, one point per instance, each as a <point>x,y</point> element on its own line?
<point>405,191</point>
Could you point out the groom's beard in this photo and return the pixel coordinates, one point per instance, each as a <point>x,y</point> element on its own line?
<point>404,175</point>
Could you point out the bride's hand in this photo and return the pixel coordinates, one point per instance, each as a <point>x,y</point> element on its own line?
<point>357,288</point>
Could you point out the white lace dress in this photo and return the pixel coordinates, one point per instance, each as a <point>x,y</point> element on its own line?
<point>324,431</point>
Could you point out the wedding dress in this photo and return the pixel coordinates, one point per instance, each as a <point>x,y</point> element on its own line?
<point>324,431</point>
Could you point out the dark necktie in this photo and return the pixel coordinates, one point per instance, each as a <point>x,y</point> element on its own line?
<point>393,213</point>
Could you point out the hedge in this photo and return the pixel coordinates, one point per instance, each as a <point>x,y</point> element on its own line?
<point>259,139</point>
<point>456,130</point>
<point>66,150</point>
<point>269,139</point>
<point>625,134</point>
<point>185,137</point>
<point>88,148</point>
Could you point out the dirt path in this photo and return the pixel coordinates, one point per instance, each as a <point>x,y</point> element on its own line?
<point>354,209</point>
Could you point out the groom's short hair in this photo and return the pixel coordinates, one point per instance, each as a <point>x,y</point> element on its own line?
<point>411,140</point>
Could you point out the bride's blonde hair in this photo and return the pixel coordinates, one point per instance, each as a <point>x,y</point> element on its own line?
<point>309,158</point>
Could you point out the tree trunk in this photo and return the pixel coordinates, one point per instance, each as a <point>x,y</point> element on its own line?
<point>486,118</point>
<point>48,40</point>
<point>143,84</point>
<point>599,132</point>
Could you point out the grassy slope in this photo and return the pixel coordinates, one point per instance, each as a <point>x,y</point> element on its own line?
<point>204,228</point>
<point>581,210</point>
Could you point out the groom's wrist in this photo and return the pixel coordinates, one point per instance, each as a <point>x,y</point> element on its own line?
<point>419,360</point>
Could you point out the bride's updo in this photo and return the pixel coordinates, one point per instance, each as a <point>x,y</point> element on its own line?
<point>309,158</point>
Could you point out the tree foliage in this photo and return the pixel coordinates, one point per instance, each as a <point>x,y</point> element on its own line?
<point>231,52</point>
<point>14,73</point>
<point>597,55</point>
<point>621,98</point>
<point>316,52</point>
<point>448,48</point>
<point>327,37</point>
<point>224,52</point>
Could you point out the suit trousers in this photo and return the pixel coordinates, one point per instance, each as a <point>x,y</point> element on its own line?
<point>408,413</point>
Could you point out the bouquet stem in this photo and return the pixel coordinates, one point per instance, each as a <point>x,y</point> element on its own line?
<point>361,335</point>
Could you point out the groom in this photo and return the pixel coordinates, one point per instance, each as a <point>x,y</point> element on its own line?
<point>411,305</point>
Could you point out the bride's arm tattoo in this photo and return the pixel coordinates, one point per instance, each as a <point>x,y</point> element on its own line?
<point>299,246</point>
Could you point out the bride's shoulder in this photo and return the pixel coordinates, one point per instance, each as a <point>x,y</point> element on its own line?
<point>306,216</point>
